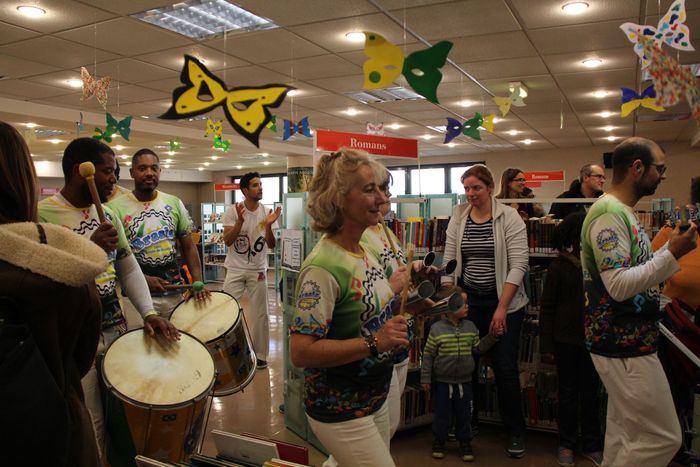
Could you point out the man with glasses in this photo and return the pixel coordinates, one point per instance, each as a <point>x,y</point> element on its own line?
<point>589,185</point>
<point>621,279</point>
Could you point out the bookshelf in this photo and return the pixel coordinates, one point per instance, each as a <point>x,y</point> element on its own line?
<point>213,247</point>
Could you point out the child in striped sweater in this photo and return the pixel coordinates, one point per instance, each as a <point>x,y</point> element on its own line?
<point>448,364</point>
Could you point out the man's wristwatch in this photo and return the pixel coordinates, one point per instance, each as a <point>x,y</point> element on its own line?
<point>371,343</point>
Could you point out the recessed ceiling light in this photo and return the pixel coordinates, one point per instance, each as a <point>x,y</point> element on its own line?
<point>293,92</point>
<point>166,166</point>
<point>600,94</point>
<point>527,141</point>
<point>30,125</point>
<point>239,166</point>
<point>54,141</point>
<point>171,153</point>
<point>394,126</point>
<point>513,132</point>
<point>200,168</point>
<point>214,158</point>
<point>74,83</point>
<point>31,11</point>
<point>592,62</point>
<point>168,161</point>
<point>355,36</point>
<point>451,145</point>
<point>608,128</point>
<point>118,147</point>
<point>612,138</point>
<point>264,154</point>
<point>496,119</point>
<point>206,164</point>
<point>128,163</point>
<point>427,137</point>
<point>124,157</point>
<point>352,112</point>
<point>145,116</point>
<point>575,8</point>
<point>266,163</point>
<point>465,103</point>
<point>605,114</point>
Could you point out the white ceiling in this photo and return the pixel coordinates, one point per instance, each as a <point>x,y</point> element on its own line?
<point>495,42</point>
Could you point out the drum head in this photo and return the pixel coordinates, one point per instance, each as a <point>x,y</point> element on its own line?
<point>207,319</point>
<point>139,368</point>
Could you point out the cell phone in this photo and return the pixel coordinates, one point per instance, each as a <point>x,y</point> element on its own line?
<point>683,227</point>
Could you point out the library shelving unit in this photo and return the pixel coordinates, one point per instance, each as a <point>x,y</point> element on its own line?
<point>213,247</point>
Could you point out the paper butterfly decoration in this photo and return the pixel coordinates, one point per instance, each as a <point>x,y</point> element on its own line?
<point>79,124</point>
<point>672,81</point>
<point>671,30</point>
<point>469,128</point>
<point>421,69</point>
<point>123,127</point>
<point>272,124</point>
<point>246,107</point>
<point>376,129</point>
<point>214,128</point>
<point>96,87</point>
<point>302,128</point>
<point>505,102</point>
<point>221,144</point>
<point>631,101</point>
<point>175,144</point>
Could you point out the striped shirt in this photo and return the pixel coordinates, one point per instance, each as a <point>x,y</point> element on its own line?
<point>479,256</point>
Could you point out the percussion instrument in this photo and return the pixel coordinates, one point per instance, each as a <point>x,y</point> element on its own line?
<point>219,323</point>
<point>156,396</point>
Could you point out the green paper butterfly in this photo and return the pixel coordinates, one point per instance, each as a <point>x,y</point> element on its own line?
<point>222,144</point>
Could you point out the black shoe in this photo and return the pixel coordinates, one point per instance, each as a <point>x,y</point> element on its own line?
<point>262,364</point>
<point>475,430</point>
<point>516,446</point>
<point>438,449</point>
<point>281,408</point>
<point>465,451</point>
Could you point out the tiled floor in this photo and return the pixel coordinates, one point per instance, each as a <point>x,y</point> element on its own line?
<point>256,410</point>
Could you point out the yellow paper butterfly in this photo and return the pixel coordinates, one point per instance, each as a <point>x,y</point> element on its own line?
<point>214,128</point>
<point>246,107</point>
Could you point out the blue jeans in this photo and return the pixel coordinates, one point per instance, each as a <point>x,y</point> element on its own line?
<point>446,406</point>
<point>504,356</point>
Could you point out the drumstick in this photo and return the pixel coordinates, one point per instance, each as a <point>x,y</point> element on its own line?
<point>87,171</point>
<point>196,286</point>
<point>404,292</point>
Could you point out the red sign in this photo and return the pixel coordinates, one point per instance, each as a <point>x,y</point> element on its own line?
<point>49,191</point>
<point>533,184</point>
<point>556,176</point>
<point>226,186</point>
<point>377,145</point>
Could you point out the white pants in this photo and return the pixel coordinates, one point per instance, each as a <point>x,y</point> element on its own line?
<point>91,386</point>
<point>257,319</point>
<point>165,304</point>
<point>361,442</point>
<point>642,426</point>
<point>393,399</point>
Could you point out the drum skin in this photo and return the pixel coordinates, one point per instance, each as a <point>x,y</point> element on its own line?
<point>156,395</point>
<point>219,322</point>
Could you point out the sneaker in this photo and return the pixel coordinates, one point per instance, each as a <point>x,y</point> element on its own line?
<point>465,451</point>
<point>565,457</point>
<point>595,457</point>
<point>262,364</point>
<point>438,449</point>
<point>281,408</point>
<point>516,446</point>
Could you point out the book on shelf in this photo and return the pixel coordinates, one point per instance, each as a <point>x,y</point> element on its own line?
<point>540,235</point>
<point>425,234</point>
<point>416,407</point>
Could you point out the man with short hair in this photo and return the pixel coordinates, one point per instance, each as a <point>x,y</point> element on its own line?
<point>153,221</point>
<point>248,234</point>
<point>621,280</point>
<point>73,208</point>
<point>589,185</point>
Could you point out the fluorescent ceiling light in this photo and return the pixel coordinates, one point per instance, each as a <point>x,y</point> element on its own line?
<point>606,114</point>
<point>355,36</point>
<point>124,157</point>
<point>466,103</point>
<point>266,163</point>
<point>293,92</point>
<point>427,137</point>
<point>171,153</point>
<point>128,163</point>
<point>118,147</point>
<point>527,141</point>
<point>513,132</point>
<point>264,154</point>
<point>352,112</point>
<point>200,168</point>
<point>206,164</point>
<point>168,161</point>
<point>608,128</point>
<point>214,158</point>
<point>166,166</point>
<point>31,11</point>
<point>203,19</point>
<point>74,83</point>
<point>575,8</point>
<point>496,119</point>
<point>451,145</point>
<point>54,141</point>
<point>30,125</point>
<point>394,126</point>
<point>612,138</point>
<point>600,94</point>
<point>592,62</point>
<point>239,166</point>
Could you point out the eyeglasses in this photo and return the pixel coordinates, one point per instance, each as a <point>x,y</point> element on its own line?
<point>661,168</point>
<point>598,176</point>
<point>521,180</point>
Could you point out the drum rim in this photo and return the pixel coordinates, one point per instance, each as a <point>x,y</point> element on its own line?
<point>113,390</point>
<point>233,326</point>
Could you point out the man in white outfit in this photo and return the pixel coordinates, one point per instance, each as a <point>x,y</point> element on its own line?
<point>248,234</point>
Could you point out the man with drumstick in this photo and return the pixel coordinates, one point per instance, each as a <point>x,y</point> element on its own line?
<point>248,235</point>
<point>153,222</point>
<point>73,208</point>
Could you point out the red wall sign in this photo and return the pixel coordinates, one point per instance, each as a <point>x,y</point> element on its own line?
<point>226,186</point>
<point>555,176</point>
<point>533,184</point>
<point>377,145</point>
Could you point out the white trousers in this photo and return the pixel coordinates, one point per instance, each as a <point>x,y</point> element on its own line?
<point>256,315</point>
<point>393,399</point>
<point>165,304</point>
<point>642,427</point>
<point>91,386</point>
<point>361,442</point>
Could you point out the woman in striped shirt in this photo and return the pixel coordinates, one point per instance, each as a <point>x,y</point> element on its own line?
<point>489,242</point>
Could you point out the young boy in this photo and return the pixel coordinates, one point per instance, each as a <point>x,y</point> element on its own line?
<point>448,363</point>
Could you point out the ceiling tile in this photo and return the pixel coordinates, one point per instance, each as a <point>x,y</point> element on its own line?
<point>457,19</point>
<point>57,52</point>
<point>340,84</point>
<point>327,101</point>
<point>548,14</point>
<point>512,68</point>
<point>13,67</point>
<point>570,142</point>
<point>28,90</point>
<point>127,7</point>
<point>73,100</point>
<point>128,70</point>
<point>10,33</point>
<point>111,36</point>
<point>324,66</point>
<point>500,46</point>
<point>60,15</point>
<point>593,80</point>
<point>573,62</point>
<point>174,59</point>
<point>133,93</point>
<point>266,46</point>
<point>580,38</point>
<point>292,12</point>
